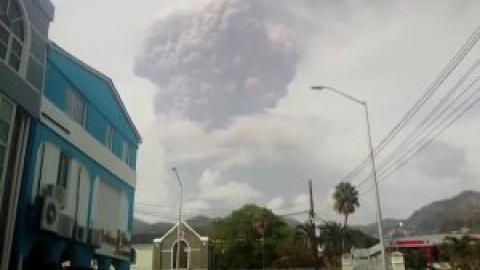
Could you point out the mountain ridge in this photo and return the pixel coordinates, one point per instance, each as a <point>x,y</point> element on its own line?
<point>458,213</point>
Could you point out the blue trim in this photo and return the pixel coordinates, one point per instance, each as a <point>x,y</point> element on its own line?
<point>103,108</point>
<point>117,147</point>
<point>24,236</point>
<point>96,122</point>
<point>102,97</point>
<point>56,87</point>
<point>27,232</point>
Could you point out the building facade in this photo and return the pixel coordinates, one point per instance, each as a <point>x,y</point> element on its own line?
<point>76,202</point>
<point>194,249</point>
<point>24,28</point>
<point>143,257</point>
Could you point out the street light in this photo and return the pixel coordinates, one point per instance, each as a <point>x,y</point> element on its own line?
<point>372,159</point>
<point>179,216</point>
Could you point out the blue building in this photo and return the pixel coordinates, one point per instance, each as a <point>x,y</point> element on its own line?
<point>75,206</point>
<point>24,28</point>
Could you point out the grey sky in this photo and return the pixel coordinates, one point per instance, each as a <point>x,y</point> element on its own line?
<point>384,52</point>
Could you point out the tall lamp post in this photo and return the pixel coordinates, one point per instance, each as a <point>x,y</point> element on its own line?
<point>179,216</point>
<point>372,159</point>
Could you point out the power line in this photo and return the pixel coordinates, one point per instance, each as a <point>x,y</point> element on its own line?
<point>172,208</point>
<point>428,122</point>
<point>396,163</point>
<point>454,62</point>
<point>293,213</point>
<point>399,165</point>
<point>194,213</point>
<point>157,215</point>
<point>418,144</point>
<point>434,86</point>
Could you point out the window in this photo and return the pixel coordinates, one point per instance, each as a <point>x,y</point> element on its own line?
<point>76,107</point>
<point>184,255</point>
<point>111,207</point>
<point>109,137</point>
<point>63,169</point>
<point>126,152</point>
<point>11,33</point>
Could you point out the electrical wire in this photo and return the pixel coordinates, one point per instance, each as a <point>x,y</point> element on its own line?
<point>434,86</point>
<point>425,143</point>
<point>413,137</point>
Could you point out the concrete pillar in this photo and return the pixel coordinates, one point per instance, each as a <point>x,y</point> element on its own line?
<point>397,260</point>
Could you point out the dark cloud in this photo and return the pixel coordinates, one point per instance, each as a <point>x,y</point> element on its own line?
<point>218,62</point>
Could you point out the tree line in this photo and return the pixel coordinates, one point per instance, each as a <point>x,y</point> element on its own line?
<point>253,237</point>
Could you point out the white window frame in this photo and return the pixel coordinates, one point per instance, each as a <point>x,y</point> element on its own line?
<point>173,250</point>
<point>75,102</point>
<point>13,37</point>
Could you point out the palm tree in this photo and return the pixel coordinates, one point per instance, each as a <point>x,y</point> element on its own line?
<point>346,201</point>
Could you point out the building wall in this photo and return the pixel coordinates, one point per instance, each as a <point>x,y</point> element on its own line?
<point>83,199</point>
<point>144,257</point>
<point>25,83</point>
<point>103,108</point>
<point>198,250</point>
<point>22,70</point>
<point>99,184</point>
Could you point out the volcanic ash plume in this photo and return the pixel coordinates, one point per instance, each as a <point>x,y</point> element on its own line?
<point>222,61</point>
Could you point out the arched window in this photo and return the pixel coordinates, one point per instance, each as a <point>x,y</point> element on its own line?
<point>12,31</point>
<point>184,254</point>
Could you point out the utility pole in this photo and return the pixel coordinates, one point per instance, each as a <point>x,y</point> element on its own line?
<point>374,170</point>
<point>313,234</point>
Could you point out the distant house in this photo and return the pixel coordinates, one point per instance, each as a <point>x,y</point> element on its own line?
<point>194,249</point>
<point>143,256</point>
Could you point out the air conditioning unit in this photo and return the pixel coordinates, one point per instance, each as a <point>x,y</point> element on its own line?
<point>65,226</point>
<point>57,192</point>
<point>50,214</point>
<point>80,234</point>
<point>95,237</point>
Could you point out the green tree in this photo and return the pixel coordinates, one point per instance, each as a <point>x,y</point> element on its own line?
<point>346,200</point>
<point>462,253</point>
<point>330,239</point>
<point>294,251</point>
<point>333,236</point>
<point>249,238</point>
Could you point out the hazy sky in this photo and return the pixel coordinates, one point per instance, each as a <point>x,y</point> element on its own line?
<point>220,90</point>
